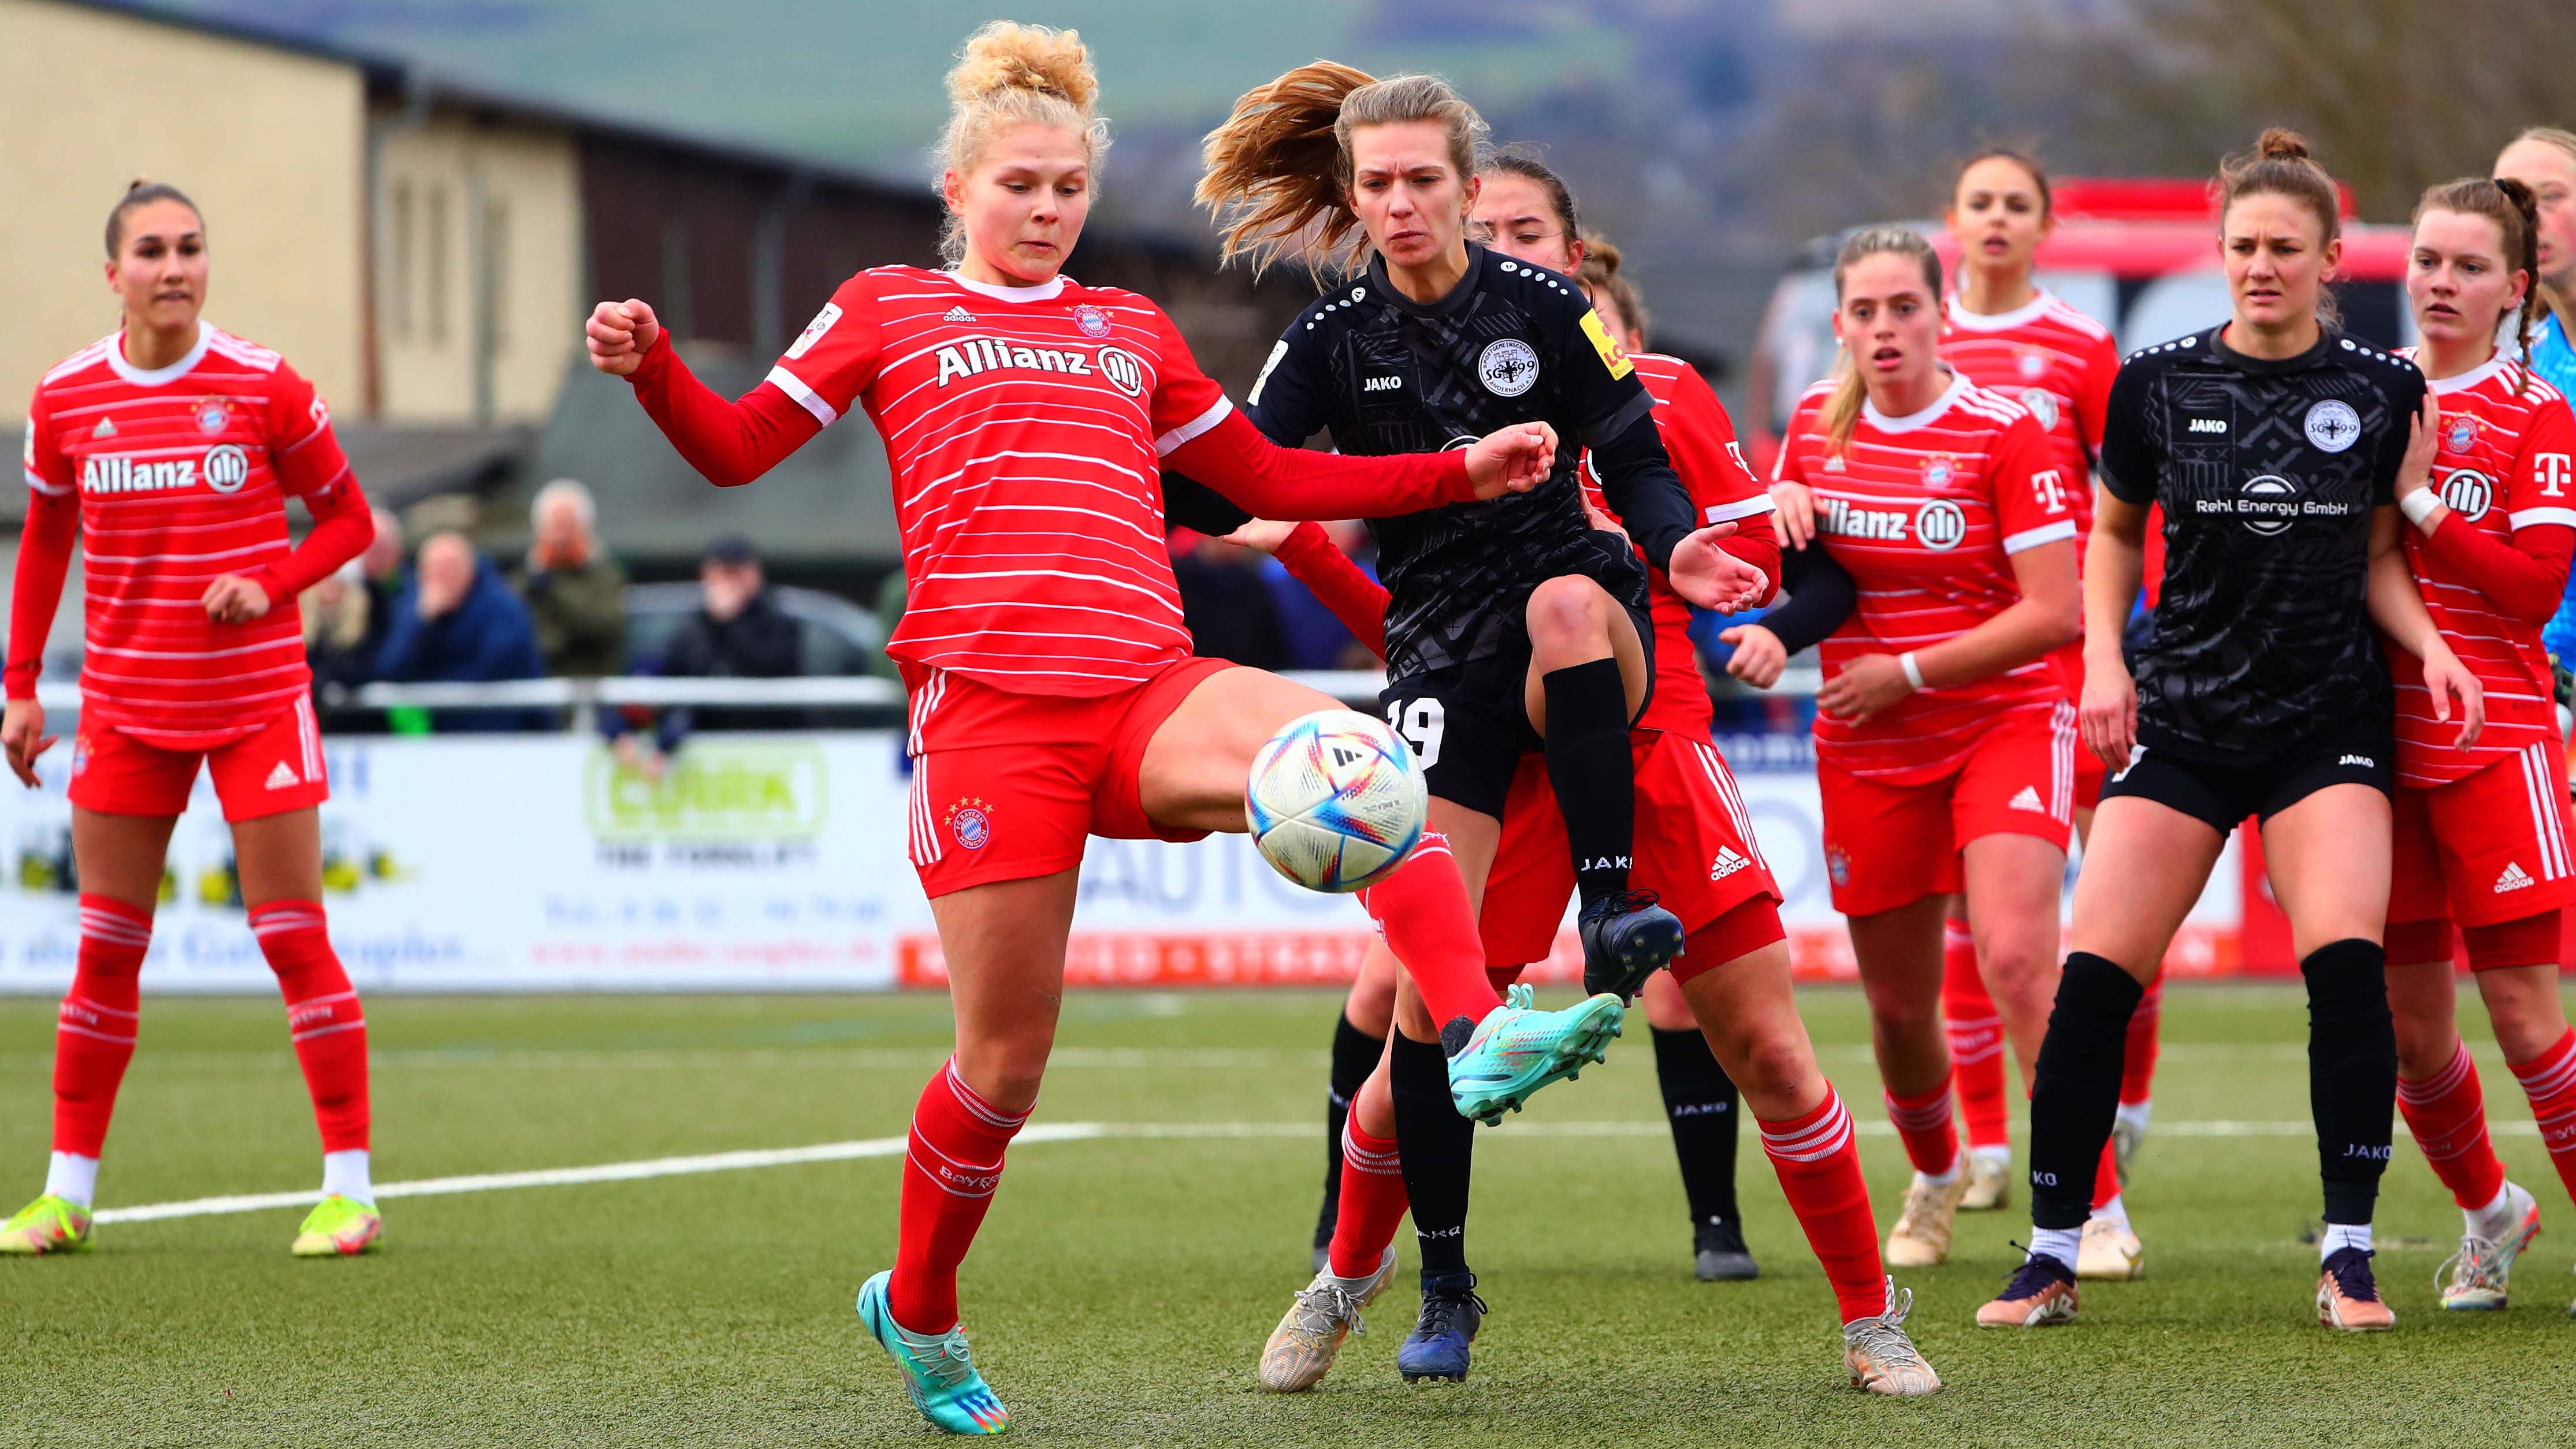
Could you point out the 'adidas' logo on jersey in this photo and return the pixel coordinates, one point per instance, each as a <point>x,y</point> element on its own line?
<point>2513,878</point>
<point>1728,862</point>
<point>958,314</point>
<point>105,429</point>
<point>283,777</point>
<point>2028,800</point>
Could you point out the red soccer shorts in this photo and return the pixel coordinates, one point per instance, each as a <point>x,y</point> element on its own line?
<point>1889,845</point>
<point>1694,849</point>
<point>1009,786</point>
<point>275,768</point>
<point>2485,848</point>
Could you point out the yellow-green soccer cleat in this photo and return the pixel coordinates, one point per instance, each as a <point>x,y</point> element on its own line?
<point>339,1227</point>
<point>938,1372</point>
<point>50,1224</point>
<point>1518,1049</point>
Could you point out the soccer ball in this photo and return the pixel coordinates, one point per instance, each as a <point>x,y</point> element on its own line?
<point>1335,802</point>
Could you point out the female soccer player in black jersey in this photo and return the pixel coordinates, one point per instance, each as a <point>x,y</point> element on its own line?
<point>1508,628</point>
<point>2274,443</point>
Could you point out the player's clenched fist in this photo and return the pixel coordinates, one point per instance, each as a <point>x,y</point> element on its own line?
<point>619,334</point>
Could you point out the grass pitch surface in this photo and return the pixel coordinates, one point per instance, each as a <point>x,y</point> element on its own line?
<point>1123,1284</point>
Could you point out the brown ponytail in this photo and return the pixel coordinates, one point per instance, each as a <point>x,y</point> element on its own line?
<point>1842,410</point>
<point>142,191</point>
<point>2516,214</point>
<point>1279,170</point>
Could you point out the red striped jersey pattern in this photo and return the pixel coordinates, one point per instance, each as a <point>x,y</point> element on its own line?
<point>2058,364</point>
<point>1700,438</point>
<point>183,473</point>
<point>1024,427</point>
<point>1925,513</point>
<point>2503,464</point>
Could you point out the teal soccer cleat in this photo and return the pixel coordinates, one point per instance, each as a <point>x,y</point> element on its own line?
<point>1504,1059</point>
<point>938,1374</point>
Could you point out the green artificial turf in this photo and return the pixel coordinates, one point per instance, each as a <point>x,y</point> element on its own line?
<point>1123,1285</point>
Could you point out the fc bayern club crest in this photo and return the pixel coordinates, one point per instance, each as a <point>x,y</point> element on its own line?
<point>971,821</point>
<point>1092,321</point>
<point>1939,469</point>
<point>213,415</point>
<point>2460,434</point>
<point>1838,865</point>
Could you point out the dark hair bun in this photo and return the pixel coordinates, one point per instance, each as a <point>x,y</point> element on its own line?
<point>2279,143</point>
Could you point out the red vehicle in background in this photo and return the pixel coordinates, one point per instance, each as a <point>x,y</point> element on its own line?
<point>2139,256</point>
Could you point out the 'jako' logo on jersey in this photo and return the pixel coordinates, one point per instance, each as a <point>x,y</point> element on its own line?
<point>1507,367</point>
<point>978,355</point>
<point>1940,525</point>
<point>2333,426</point>
<point>2469,494</point>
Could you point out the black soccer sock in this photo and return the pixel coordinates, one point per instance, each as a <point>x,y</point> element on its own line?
<point>2352,1073</point>
<point>1355,1055</point>
<point>2076,1089</point>
<point>1437,1147</point>
<point>1701,1103</point>
<point>1589,767</point>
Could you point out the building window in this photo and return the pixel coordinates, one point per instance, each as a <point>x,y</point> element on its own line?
<point>437,307</point>
<point>399,285</point>
<point>496,270</point>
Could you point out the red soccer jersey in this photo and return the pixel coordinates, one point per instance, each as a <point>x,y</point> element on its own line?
<point>2057,363</point>
<point>1024,426</point>
<point>2503,467</point>
<point>1925,513</point>
<point>182,474</point>
<point>1700,439</point>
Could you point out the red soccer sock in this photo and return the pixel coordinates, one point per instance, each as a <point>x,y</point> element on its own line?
<point>2106,1177</point>
<point>1819,1167</point>
<point>1429,926</point>
<point>323,1017</point>
<point>2447,1113</point>
<point>1372,1202</point>
<point>1976,1039</point>
<point>2138,1057</point>
<point>949,1175</point>
<point>1923,1121</point>
<point>2549,1080</point>
<point>94,1034</point>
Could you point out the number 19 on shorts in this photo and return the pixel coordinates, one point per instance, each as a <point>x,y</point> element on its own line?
<point>1420,721</point>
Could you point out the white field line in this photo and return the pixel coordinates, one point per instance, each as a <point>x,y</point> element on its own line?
<point>1043,1132</point>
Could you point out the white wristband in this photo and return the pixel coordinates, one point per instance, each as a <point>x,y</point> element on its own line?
<point>1913,671</point>
<point>2419,505</point>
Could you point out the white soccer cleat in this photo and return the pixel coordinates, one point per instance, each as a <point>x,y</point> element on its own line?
<point>2110,1250</point>
<point>1989,1180</point>
<point>1327,1312</point>
<point>2479,1270</point>
<point>1921,1237</point>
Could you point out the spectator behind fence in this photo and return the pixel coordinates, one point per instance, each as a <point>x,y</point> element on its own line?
<point>339,619</point>
<point>574,591</point>
<point>1225,603</point>
<point>456,622</point>
<point>380,573</point>
<point>738,632</point>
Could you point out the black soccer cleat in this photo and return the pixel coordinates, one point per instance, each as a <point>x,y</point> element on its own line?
<point>1437,1346</point>
<point>1626,937</point>
<point>1717,1246</point>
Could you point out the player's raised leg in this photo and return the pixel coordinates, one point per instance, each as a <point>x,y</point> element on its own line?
<point>281,872</point>
<point>1744,1007</point>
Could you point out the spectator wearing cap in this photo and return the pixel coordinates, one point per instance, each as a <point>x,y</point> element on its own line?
<point>738,632</point>
<point>456,622</point>
<point>575,593</point>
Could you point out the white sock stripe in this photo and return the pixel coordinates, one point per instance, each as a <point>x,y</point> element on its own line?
<point>335,996</point>
<point>1976,1054</point>
<point>944,1185</point>
<point>116,934</point>
<point>1815,1143</point>
<point>1959,1024</point>
<point>2453,1072</point>
<point>973,1102</point>
<point>307,1035</point>
<point>1924,1117</point>
<point>2547,1077</point>
<point>82,1001</point>
<point>921,1144</point>
<point>109,1037</point>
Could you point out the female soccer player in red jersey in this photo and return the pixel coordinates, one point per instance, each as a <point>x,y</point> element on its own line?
<point>170,447</point>
<point>1695,846</point>
<point>1945,742</point>
<point>2009,335</point>
<point>2481,834</point>
<point>1053,695</point>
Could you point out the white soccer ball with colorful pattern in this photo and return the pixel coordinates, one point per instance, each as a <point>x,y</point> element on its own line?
<point>1335,801</point>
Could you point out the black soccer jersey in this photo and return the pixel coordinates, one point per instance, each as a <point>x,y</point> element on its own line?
<point>1511,343</point>
<point>2268,472</point>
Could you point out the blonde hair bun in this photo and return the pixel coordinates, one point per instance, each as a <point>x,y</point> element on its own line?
<point>1008,56</point>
